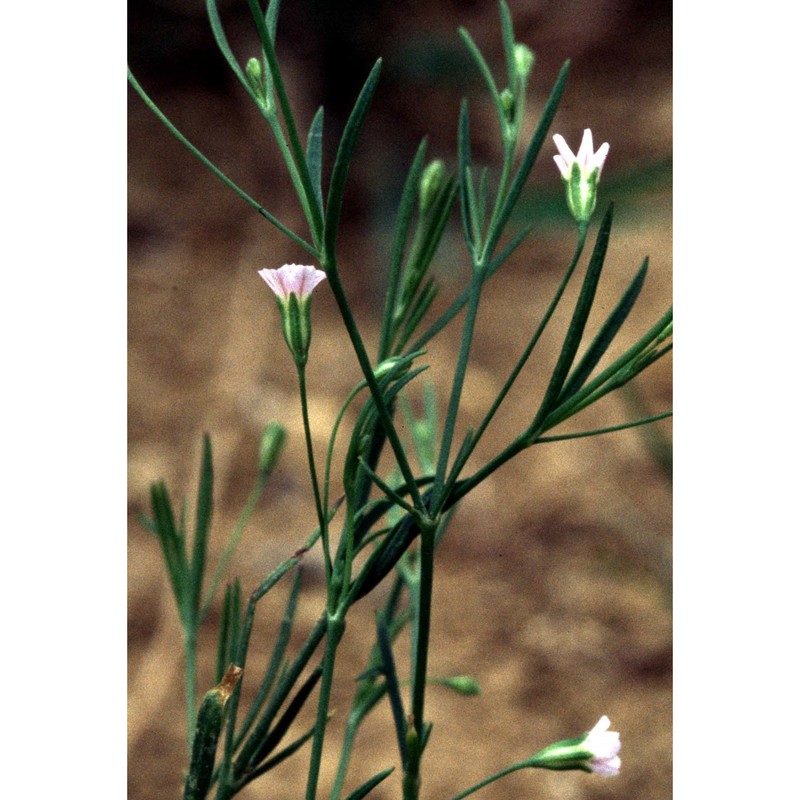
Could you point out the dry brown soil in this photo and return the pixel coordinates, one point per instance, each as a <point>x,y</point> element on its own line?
<point>553,583</point>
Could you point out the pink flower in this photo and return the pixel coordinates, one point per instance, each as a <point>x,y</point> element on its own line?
<point>296,279</point>
<point>604,746</point>
<point>587,159</point>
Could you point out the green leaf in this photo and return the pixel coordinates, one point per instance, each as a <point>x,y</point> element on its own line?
<point>229,628</point>
<point>369,785</point>
<point>171,545</point>
<point>483,68</point>
<point>528,160</point>
<point>508,44</point>
<point>392,686</point>
<point>402,225</point>
<point>203,513</point>
<point>314,150</point>
<point>271,17</point>
<point>273,762</point>
<point>278,653</point>
<point>225,48</point>
<point>345,155</point>
<point>583,306</point>
<point>472,226</point>
<point>216,170</point>
<point>274,737</point>
<point>605,335</point>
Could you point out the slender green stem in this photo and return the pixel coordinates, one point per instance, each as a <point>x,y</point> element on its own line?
<point>315,218</point>
<point>523,359</point>
<point>509,146</point>
<point>426,551</point>
<point>322,517</point>
<point>503,772</point>
<point>331,269</point>
<point>422,628</point>
<point>458,385</point>
<point>238,531</point>
<point>600,431</point>
<point>217,171</point>
<point>190,655</point>
<point>336,627</point>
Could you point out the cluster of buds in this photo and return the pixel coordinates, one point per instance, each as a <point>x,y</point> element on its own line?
<point>293,284</point>
<point>580,174</point>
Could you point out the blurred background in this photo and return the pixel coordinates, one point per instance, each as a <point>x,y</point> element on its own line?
<point>553,583</point>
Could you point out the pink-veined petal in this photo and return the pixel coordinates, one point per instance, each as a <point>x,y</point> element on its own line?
<point>563,149</point>
<point>600,156</point>
<point>562,166</point>
<point>586,150</point>
<point>296,279</point>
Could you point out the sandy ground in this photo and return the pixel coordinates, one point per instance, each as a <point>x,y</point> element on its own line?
<point>553,583</point>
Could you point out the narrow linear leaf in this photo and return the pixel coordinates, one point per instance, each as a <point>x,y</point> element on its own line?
<point>605,336</point>
<point>580,315</point>
<point>228,628</point>
<point>528,160</point>
<point>216,170</point>
<point>402,225</point>
<point>471,229</point>
<point>225,48</point>
<point>508,43</point>
<point>314,150</point>
<point>392,687</point>
<point>276,659</point>
<point>273,762</point>
<point>345,155</point>
<point>203,512</point>
<point>271,17</point>
<point>171,544</point>
<point>612,377</point>
<point>274,737</point>
<point>369,785</point>
<point>483,68</point>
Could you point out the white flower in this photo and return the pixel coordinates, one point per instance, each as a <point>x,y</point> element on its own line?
<point>581,173</point>
<point>604,745</point>
<point>587,159</point>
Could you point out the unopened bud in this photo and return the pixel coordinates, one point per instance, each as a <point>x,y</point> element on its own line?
<point>255,78</point>
<point>272,440</point>
<point>508,103</point>
<point>523,61</point>
<point>430,184</point>
<point>463,684</point>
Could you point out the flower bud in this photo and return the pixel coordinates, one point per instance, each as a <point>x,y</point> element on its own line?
<point>430,184</point>
<point>508,103</point>
<point>463,684</point>
<point>523,61</point>
<point>272,440</point>
<point>255,77</point>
